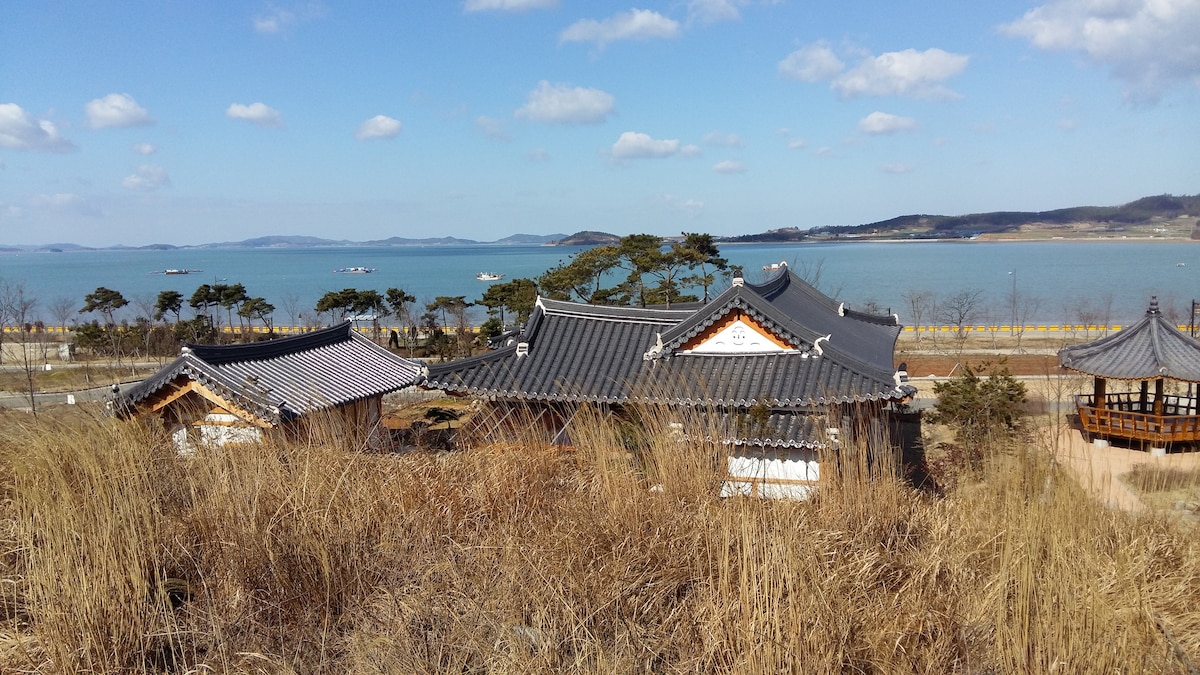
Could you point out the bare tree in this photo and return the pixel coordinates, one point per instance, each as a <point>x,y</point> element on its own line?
<point>959,310</point>
<point>18,307</point>
<point>290,302</point>
<point>920,304</point>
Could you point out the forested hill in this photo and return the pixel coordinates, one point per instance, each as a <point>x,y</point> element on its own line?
<point>1078,220</point>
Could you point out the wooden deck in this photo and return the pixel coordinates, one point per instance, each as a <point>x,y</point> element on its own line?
<point>1174,419</point>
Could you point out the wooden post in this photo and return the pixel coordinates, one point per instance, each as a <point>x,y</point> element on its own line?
<point>1158,397</point>
<point>1098,393</point>
<point>1144,396</point>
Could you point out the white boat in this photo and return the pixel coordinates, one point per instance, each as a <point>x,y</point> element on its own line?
<point>175,271</point>
<point>354,270</point>
<point>489,276</point>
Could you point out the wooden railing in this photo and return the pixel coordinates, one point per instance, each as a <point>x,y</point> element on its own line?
<point>1126,415</point>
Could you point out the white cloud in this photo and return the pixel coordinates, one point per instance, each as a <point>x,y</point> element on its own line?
<point>538,155</point>
<point>720,140</point>
<point>896,168</point>
<point>904,73</point>
<point>147,177</point>
<point>507,5</point>
<point>1149,45</point>
<point>275,20</point>
<point>116,110</point>
<point>712,11</point>
<point>636,24</point>
<point>813,63</point>
<point>1067,124</point>
<point>797,143</point>
<point>885,123</point>
<point>636,145</point>
<point>144,148</point>
<point>21,131</point>
<point>258,113</point>
<point>379,126</point>
<point>729,166</point>
<point>492,128</point>
<point>686,205</point>
<point>63,202</point>
<point>824,152</point>
<point>564,104</point>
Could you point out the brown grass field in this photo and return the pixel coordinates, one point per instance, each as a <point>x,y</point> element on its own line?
<point>121,556</point>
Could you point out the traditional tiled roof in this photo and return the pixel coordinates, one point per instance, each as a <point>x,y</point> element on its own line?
<point>1150,349</point>
<point>575,352</point>
<point>278,380</point>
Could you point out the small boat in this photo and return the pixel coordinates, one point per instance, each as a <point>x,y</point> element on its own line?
<point>354,270</point>
<point>175,271</point>
<point>489,276</point>
<point>775,266</point>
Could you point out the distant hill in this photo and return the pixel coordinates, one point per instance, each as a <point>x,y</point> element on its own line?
<point>588,238</point>
<point>1090,220</point>
<point>529,239</point>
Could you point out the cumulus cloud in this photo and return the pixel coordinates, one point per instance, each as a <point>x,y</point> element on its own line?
<point>813,63</point>
<point>274,21</point>
<point>636,145</point>
<point>896,168</point>
<point>116,110</point>
<point>1148,45</point>
<point>721,140</point>
<point>145,148</point>
<point>21,131</point>
<point>147,177</point>
<point>507,5</point>
<point>63,202</point>
<point>686,205</point>
<point>378,127</point>
<point>278,20</point>
<point>729,166</point>
<point>706,12</point>
<point>885,123</point>
<point>564,104</point>
<point>918,74</point>
<point>797,143</point>
<point>257,113</point>
<point>636,24</point>
<point>492,128</point>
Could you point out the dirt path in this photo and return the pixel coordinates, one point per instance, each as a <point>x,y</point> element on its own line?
<point>1099,469</point>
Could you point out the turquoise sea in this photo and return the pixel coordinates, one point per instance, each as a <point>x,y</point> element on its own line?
<point>1110,279</point>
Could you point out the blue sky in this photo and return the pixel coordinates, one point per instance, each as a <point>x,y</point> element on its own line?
<point>187,122</point>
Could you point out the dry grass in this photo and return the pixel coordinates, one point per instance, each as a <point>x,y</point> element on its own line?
<point>121,556</point>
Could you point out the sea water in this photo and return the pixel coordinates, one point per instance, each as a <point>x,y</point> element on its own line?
<point>1064,281</point>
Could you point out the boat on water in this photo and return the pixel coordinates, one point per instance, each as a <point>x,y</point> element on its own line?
<point>176,271</point>
<point>354,270</point>
<point>773,267</point>
<point>489,276</point>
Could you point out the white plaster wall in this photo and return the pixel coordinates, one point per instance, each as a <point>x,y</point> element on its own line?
<point>773,472</point>
<point>737,338</point>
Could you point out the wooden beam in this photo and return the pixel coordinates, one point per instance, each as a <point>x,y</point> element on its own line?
<point>216,399</point>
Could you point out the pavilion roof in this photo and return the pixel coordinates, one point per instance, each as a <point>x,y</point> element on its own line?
<point>1150,349</point>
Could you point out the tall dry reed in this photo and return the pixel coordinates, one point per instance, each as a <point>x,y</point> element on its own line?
<point>616,556</point>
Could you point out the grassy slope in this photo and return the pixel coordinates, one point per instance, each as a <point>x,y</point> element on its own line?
<point>522,559</point>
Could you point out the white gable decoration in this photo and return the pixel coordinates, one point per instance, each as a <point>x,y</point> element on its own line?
<point>738,337</point>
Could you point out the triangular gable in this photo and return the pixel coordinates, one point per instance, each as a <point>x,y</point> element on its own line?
<point>736,333</point>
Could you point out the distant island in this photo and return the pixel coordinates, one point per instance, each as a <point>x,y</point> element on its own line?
<point>1161,216</point>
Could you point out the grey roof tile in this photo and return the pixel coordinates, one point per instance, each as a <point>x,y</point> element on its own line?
<point>285,378</point>
<point>1150,349</point>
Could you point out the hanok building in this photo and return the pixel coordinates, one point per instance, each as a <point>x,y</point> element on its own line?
<point>778,370</point>
<point>1151,350</point>
<point>330,381</point>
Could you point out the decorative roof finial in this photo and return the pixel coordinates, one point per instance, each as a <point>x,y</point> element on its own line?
<point>1153,305</point>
